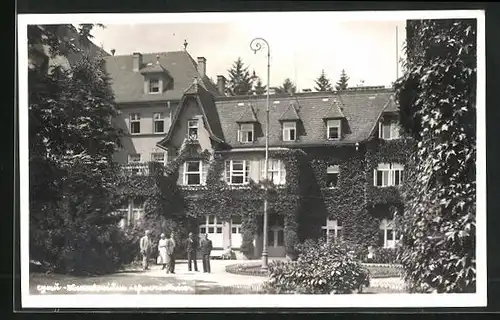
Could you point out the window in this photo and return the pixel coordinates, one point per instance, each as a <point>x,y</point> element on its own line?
<point>137,210</point>
<point>388,175</point>
<point>387,234</point>
<point>237,171</point>
<point>289,131</point>
<point>388,130</point>
<point>275,171</point>
<point>332,229</point>
<point>159,123</point>
<point>246,132</point>
<point>154,85</point>
<point>211,226</point>
<point>193,129</point>
<point>135,123</point>
<point>194,173</point>
<point>236,225</point>
<point>276,237</point>
<point>333,129</point>
<point>134,158</point>
<point>158,157</point>
<point>332,176</point>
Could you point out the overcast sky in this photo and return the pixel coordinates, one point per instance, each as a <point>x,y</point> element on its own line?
<point>299,50</point>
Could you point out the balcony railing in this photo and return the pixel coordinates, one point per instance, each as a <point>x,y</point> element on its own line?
<point>141,168</point>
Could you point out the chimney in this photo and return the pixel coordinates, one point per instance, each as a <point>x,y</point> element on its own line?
<point>221,84</point>
<point>137,61</point>
<point>202,66</point>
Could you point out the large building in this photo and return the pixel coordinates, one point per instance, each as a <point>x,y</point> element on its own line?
<point>336,158</point>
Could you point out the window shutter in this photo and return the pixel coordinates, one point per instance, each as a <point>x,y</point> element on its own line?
<point>375,177</point>
<point>228,171</point>
<point>394,129</point>
<point>204,172</point>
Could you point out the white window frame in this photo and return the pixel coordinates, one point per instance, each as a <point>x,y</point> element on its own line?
<point>237,173</point>
<point>237,226</point>
<point>388,227</point>
<point>243,132</point>
<point>391,169</point>
<point>274,240</point>
<point>131,156</point>
<point>155,154</point>
<point>393,130</point>
<point>276,171</point>
<point>333,169</point>
<point>150,85</point>
<point>136,212</point>
<point>288,128</point>
<point>216,225</point>
<point>333,124</point>
<point>200,172</point>
<point>332,225</point>
<point>135,118</point>
<point>158,117</point>
<point>192,126</point>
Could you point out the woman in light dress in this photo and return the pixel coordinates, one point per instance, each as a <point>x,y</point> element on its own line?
<point>162,251</point>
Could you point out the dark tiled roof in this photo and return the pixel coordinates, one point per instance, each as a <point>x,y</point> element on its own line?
<point>392,106</point>
<point>248,114</point>
<point>290,113</point>
<point>128,85</point>
<point>154,68</point>
<point>335,111</point>
<point>206,102</point>
<point>361,111</point>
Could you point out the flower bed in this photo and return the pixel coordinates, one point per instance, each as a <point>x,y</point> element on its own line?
<point>247,269</point>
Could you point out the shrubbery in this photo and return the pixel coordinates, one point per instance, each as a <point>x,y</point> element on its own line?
<point>321,268</point>
<point>385,255</point>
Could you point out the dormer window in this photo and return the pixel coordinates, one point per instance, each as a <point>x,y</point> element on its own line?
<point>388,130</point>
<point>333,129</point>
<point>289,131</point>
<point>246,132</point>
<point>154,85</point>
<point>193,125</point>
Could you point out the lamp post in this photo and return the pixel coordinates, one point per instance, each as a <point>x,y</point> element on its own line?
<point>256,45</point>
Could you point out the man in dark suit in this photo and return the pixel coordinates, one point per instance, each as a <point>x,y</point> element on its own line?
<point>206,249</point>
<point>191,247</point>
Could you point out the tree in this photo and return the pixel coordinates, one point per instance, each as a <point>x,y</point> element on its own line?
<point>72,173</point>
<point>259,88</point>
<point>240,81</point>
<point>342,83</point>
<point>323,83</point>
<point>437,108</point>
<point>287,87</point>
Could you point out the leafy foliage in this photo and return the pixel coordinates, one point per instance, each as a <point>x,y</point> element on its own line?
<point>437,107</point>
<point>323,83</point>
<point>287,87</point>
<point>342,83</point>
<point>321,268</point>
<point>240,80</point>
<point>72,174</point>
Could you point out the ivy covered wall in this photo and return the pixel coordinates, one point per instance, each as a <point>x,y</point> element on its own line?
<point>303,203</point>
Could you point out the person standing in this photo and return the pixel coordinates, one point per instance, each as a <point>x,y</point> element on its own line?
<point>170,254</point>
<point>162,251</point>
<point>191,251</point>
<point>206,249</point>
<point>145,247</point>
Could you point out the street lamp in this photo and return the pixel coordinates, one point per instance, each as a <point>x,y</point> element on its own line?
<point>257,45</point>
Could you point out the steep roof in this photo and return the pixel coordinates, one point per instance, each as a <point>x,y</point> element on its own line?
<point>290,113</point>
<point>335,111</point>
<point>206,102</point>
<point>248,114</point>
<point>360,109</point>
<point>392,106</point>
<point>128,85</point>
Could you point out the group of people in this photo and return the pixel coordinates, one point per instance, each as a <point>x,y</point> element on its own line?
<point>166,250</point>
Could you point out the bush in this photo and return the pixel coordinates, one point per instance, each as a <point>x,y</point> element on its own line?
<point>321,268</point>
<point>385,255</point>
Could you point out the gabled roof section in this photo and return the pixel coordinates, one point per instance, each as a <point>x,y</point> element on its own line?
<point>248,114</point>
<point>290,113</point>
<point>206,103</point>
<point>153,68</point>
<point>128,85</point>
<point>392,106</point>
<point>335,111</point>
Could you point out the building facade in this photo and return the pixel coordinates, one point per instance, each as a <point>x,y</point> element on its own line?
<point>336,158</point>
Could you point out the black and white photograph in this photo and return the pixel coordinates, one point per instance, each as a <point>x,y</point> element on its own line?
<point>286,159</point>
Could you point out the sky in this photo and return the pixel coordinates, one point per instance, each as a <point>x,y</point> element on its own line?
<point>367,50</point>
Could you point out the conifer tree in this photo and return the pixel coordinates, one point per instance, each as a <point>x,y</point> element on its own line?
<point>240,80</point>
<point>342,83</point>
<point>323,83</point>
<point>287,87</point>
<point>259,88</point>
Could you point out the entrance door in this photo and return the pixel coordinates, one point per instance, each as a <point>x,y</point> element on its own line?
<point>236,237</point>
<point>213,228</point>
<point>276,242</point>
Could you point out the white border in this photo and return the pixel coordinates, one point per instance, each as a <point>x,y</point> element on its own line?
<point>211,301</point>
